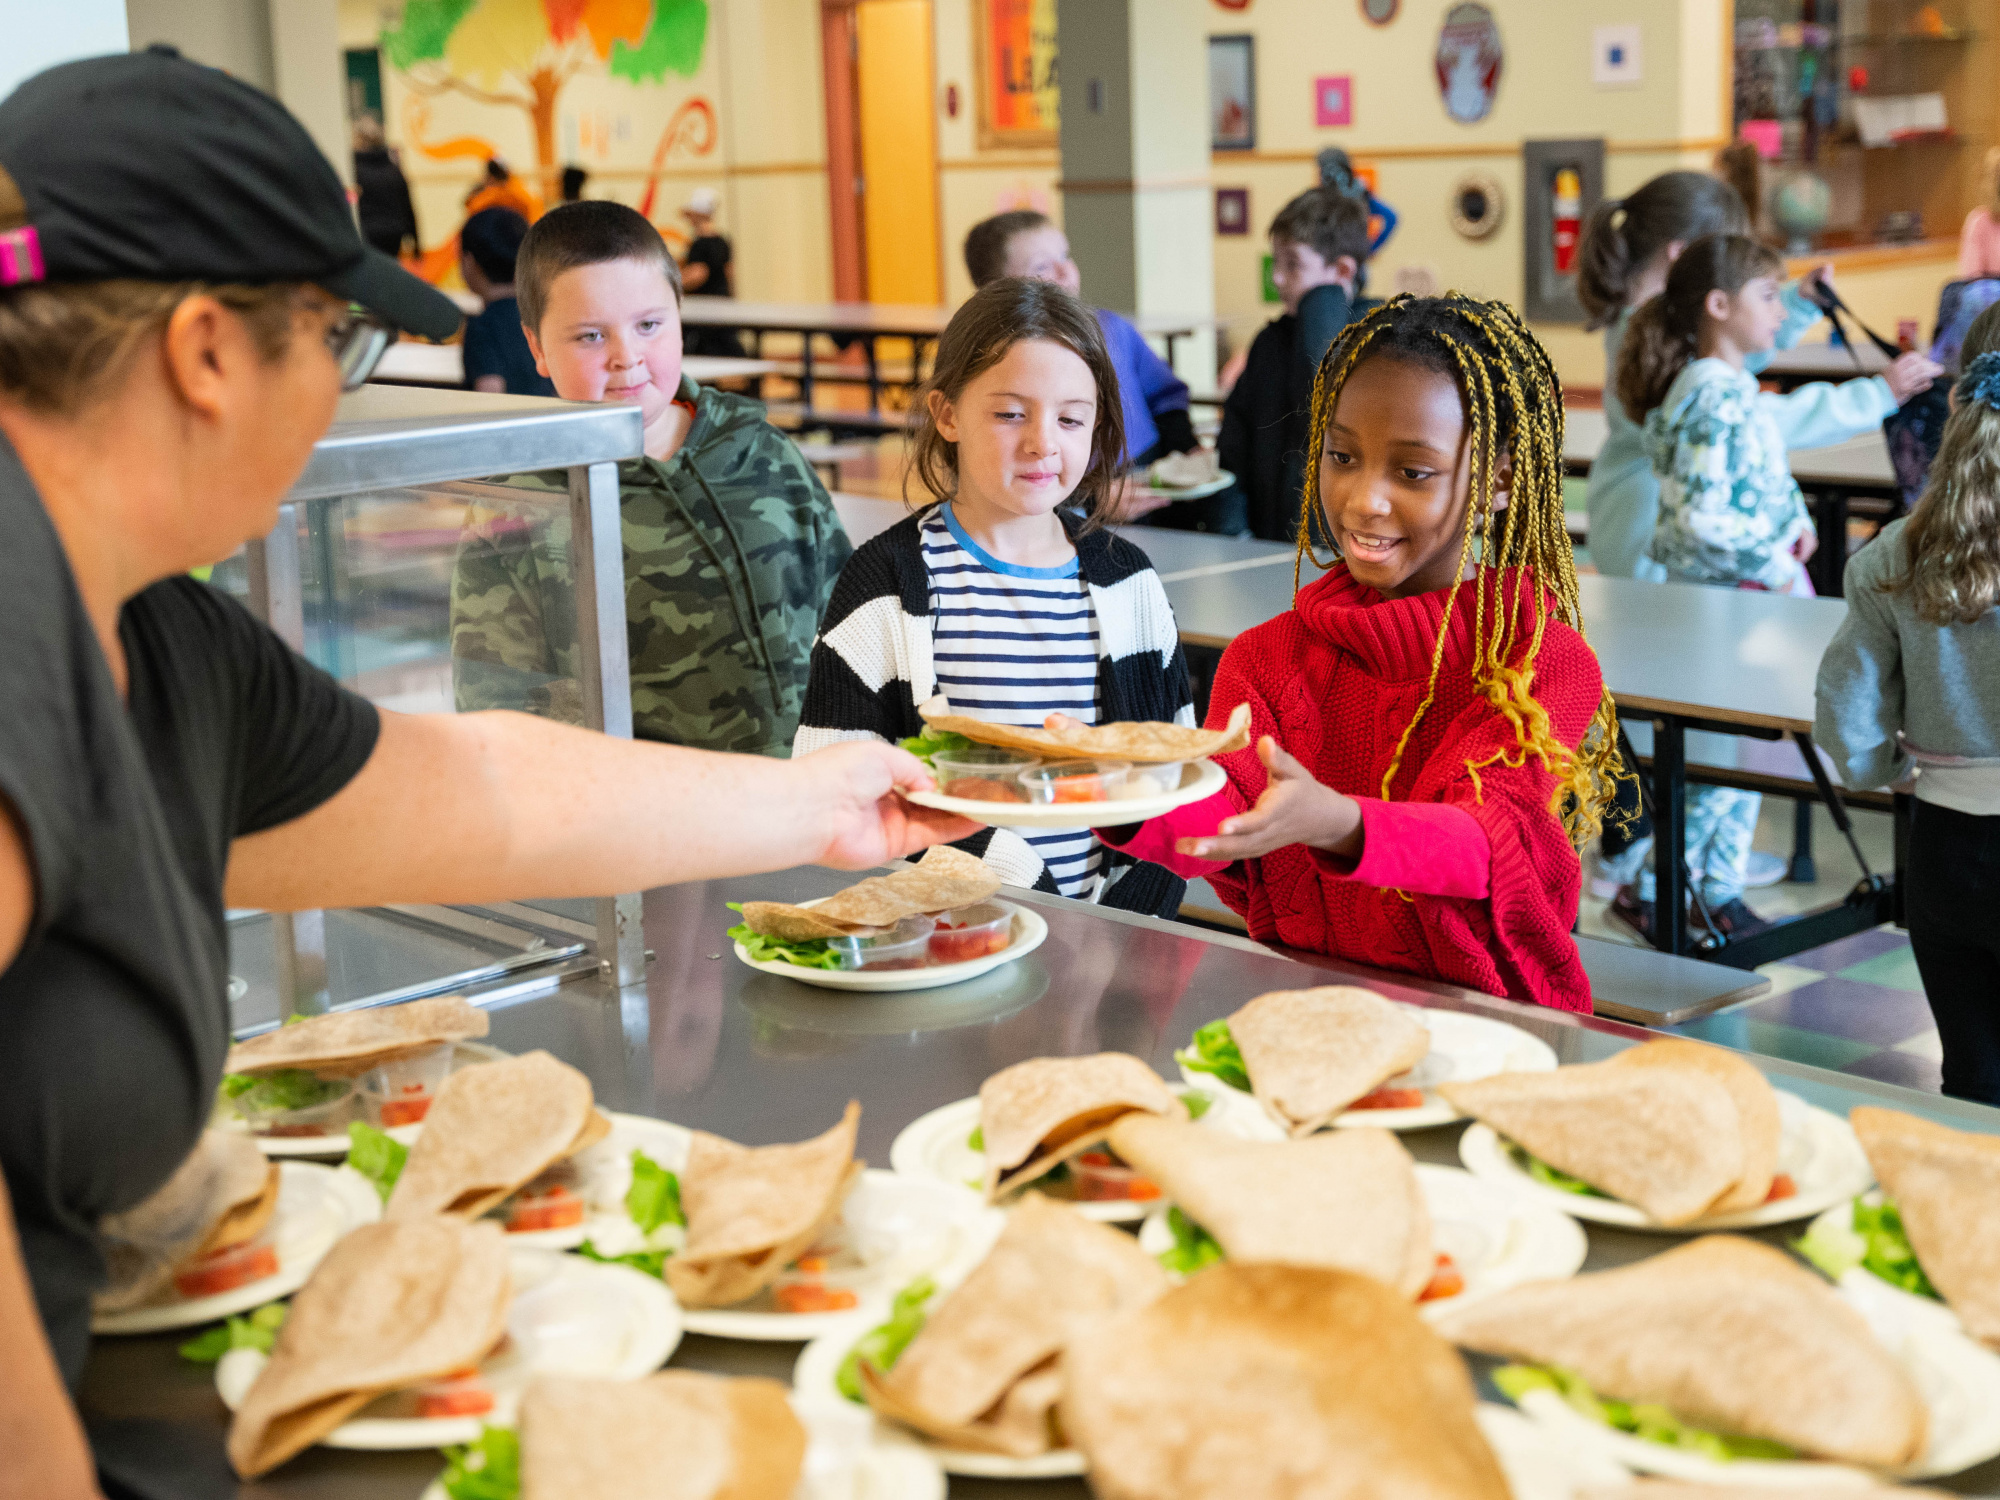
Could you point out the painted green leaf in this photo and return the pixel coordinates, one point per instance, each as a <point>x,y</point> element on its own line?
<point>427,26</point>
<point>673,43</point>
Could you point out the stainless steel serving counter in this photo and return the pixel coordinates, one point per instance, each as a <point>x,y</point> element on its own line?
<point>708,1042</point>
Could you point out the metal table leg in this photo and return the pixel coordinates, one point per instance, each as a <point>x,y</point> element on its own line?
<point>1802,871</point>
<point>806,369</point>
<point>875,377</point>
<point>1670,926</point>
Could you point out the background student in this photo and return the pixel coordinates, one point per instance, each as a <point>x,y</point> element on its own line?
<point>388,217</point>
<point>1730,512</point>
<point>1005,592</point>
<point>1319,243</point>
<point>1911,682</point>
<point>705,273</point>
<point>496,351</point>
<point>1979,240</point>
<point>731,544</point>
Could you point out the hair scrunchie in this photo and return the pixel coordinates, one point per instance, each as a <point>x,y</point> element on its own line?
<point>1981,381</point>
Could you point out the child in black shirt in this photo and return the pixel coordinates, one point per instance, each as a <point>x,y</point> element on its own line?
<point>496,351</point>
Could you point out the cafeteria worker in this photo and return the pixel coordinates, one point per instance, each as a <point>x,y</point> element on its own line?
<point>183,298</point>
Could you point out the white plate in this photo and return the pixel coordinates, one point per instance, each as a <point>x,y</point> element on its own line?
<point>1539,1468</point>
<point>1818,1149</point>
<point>813,1388</point>
<point>932,1148</point>
<point>1463,1047</point>
<point>1029,933</point>
<point>1958,1378</point>
<point>1200,779</point>
<point>1865,1283</point>
<point>316,1206</point>
<point>332,1147</point>
<point>902,1228</point>
<point>1495,1238</point>
<point>569,1317</point>
<point>606,1173</point>
<point>1222,481</point>
<point>848,1457</point>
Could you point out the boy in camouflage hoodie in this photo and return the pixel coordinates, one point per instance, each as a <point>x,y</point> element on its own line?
<point>731,543</point>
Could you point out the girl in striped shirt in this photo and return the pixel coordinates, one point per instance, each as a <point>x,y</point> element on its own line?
<point>1005,593</point>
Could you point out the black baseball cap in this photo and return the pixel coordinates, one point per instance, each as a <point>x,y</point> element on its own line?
<point>147,166</point>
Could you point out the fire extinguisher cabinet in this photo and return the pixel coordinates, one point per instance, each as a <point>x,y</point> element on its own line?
<point>1564,182</point>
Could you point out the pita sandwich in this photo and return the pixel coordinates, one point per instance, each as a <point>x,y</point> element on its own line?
<point>1311,1053</point>
<point>753,1210</point>
<point>348,1043</point>
<point>1276,1380</point>
<point>1946,1185</point>
<point>943,880</point>
<point>493,1129</point>
<point>391,1306</point>
<point>1348,1200</point>
<point>220,1197</point>
<point>1039,1113</point>
<point>984,1373</point>
<point>1668,1139</point>
<point>1728,1334</point>
<point>1144,743</point>
<point>1756,1109</point>
<point>677,1435</point>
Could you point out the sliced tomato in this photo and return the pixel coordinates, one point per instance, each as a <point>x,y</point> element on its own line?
<point>812,1297</point>
<point>456,1396</point>
<point>1782,1187</point>
<point>1445,1281</point>
<point>405,1111</point>
<point>558,1208</point>
<point>949,946</point>
<point>1387,1098</point>
<point>226,1270</point>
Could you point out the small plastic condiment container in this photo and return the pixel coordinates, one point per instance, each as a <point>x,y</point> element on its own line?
<point>819,1281</point>
<point>972,932</point>
<point>1101,1178</point>
<point>226,1270</point>
<point>983,773</point>
<point>328,1117</point>
<point>904,946</point>
<point>1152,780</point>
<point>1075,780</point>
<point>460,1394</point>
<point>400,1092</point>
<point>546,1203</point>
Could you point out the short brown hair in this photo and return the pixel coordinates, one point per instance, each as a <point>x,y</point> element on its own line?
<point>1328,221</point>
<point>998,316</point>
<point>987,241</point>
<point>65,344</point>
<point>585,233</point>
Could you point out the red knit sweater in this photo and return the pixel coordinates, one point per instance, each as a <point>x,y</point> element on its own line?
<point>1334,681</point>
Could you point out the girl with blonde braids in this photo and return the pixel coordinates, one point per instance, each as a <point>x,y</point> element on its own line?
<point>1447,741</point>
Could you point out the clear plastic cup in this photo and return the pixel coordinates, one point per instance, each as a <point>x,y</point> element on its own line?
<point>400,1092</point>
<point>1145,781</point>
<point>226,1270</point>
<point>463,1393</point>
<point>972,932</point>
<point>983,773</point>
<point>904,946</point>
<point>1075,780</point>
<point>1100,1177</point>
<point>827,1278</point>
<point>268,1106</point>
<point>553,1200</point>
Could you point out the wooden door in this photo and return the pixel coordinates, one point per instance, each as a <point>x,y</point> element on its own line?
<point>899,183</point>
<point>840,48</point>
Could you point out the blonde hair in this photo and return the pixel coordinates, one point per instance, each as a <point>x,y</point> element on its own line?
<point>1951,543</point>
<point>1513,410</point>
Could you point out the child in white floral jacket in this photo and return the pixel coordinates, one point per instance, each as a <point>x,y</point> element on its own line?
<point>1730,511</point>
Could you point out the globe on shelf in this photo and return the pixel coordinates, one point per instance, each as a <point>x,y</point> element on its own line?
<point>1801,206</point>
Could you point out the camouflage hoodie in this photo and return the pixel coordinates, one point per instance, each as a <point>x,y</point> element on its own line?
<point>731,550</point>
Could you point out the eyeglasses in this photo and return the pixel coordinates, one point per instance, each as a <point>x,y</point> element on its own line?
<point>358,339</point>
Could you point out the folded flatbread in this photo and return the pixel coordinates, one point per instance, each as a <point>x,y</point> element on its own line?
<point>1348,1200</point>
<point>349,1043</point>
<point>391,1306</point>
<point>984,1373</point>
<point>752,1211</point>
<point>943,880</point>
<point>1946,1184</point>
<point>1756,1103</point>
<point>1668,1139</point>
<point>677,1435</point>
<point>1276,1380</point>
<point>1039,1113</point>
<point>491,1130</point>
<point>1728,1334</point>
<point>1311,1053</point>
<point>1145,743</point>
<point>222,1195</point>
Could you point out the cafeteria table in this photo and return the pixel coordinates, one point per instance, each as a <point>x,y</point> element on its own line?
<point>1832,479</point>
<point>708,1043</point>
<point>408,362</point>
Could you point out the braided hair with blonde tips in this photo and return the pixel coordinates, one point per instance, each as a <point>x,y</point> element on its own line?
<point>1512,400</point>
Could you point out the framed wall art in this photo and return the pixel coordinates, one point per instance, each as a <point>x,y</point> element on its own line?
<point>1014,42</point>
<point>1232,210</point>
<point>1333,100</point>
<point>1232,93</point>
<point>1380,12</point>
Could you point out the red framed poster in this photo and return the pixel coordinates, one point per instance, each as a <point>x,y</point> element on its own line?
<point>1019,91</point>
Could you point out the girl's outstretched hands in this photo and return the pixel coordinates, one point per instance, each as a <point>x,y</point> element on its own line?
<point>1295,809</point>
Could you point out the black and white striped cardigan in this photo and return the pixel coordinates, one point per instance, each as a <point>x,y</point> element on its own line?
<point>872,666</point>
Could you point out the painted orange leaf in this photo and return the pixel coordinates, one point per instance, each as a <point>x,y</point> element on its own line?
<point>616,21</point>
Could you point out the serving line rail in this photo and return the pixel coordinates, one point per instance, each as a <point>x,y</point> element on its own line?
<point>708,1043</point>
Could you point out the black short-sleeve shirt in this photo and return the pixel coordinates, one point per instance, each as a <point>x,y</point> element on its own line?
<point>495,345</point>
<point>114,1016</point>
<point>711,250</point>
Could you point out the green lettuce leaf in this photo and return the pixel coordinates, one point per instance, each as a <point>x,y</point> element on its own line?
<point>766,950</point>
<point>376,1155</point>
<point>1550,1176</point>
<point>884,1344</point>
<point>655,1195</point>
<point>289,1088</point>
<point>257,1329</point>
<point>1194,1247</point>
<point>489,1469</point>
<point>1889,1255</point>
<point>1198,1103</point>
<point>652,1262</point>
<point>1215,1051</point>
<point>936,742</point>
<point>977,1140</point>
<point>1647,1420</point>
